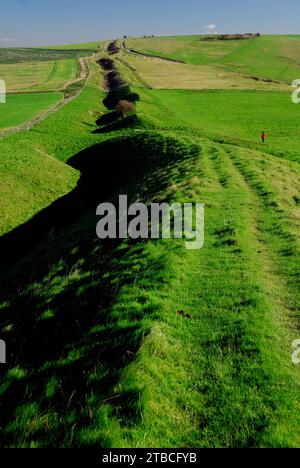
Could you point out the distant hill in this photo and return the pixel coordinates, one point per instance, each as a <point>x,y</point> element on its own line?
<point>231,37</point>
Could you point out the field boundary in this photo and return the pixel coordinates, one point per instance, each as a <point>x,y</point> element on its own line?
<point>63,102</point>
<point>144,54</point>
<point>136,73</point>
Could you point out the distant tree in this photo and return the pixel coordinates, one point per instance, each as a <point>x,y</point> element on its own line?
<point>113,48</point>
<point>115,81</point>
<point>124,108</point>
<point>107,63</point>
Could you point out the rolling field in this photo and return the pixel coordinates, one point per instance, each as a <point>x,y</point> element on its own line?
<point>21,108</point>
<point>14,55</point>
<point>107,358</point>
<point>160,74</point>
<point>38,71</point>
<point>38,76</point>
<point>188,49</point>
<point>269,57</point>
<point>239,116</point>
<point>61,135</point>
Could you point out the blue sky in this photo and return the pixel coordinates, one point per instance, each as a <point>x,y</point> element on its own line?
<point>45,22</point>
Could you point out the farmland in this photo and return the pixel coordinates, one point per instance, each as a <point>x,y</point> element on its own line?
<point>244,116</point>
<point>35,172</point>
<point>274,57</point>
<point>169,75</point>
<point>40,55</point>
<point>38,76</point>
<point>21,108</point>
<point>144,343</point>
<point>29,71</point>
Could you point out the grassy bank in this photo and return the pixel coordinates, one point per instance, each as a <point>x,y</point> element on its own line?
<point>270,57</point>
<point>137,343</point>
<point>238,116</point>
<point>35,172</point>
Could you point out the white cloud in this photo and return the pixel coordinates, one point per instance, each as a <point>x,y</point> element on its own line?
<point>9,40</point>
<point>210,27</point>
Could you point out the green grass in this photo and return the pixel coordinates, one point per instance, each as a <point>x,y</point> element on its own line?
<point>20,108</point>
<point>159,74</point>
<point>274,57</point>
<point>12,55</point>
<point>106,360</point>
<point>239,115</point>
<point>24,191</point>
<point>32,70</point>
<point>188,49</point>
<point>62,71</point>
<point>117,366</point>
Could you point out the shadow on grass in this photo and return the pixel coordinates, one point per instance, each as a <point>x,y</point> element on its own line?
<point>75,309</point>
<point>107,119</point>
<point>122,123</point>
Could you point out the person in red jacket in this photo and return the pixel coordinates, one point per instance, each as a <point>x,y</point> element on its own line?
<point>264,137</point>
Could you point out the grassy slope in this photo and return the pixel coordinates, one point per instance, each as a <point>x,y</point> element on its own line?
<point>38,76</point>
<point>116,365</point>
<point>241,116</point>
<point>34,71</point>
<point>160,74</point>
<point>24,107</point>
<point>59,137</point>
<point>274,57</point>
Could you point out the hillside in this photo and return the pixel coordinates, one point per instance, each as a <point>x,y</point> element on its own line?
<point>36,173</point>
<point>140,343</point>
<point>269,57</point>
<point>37,81</point>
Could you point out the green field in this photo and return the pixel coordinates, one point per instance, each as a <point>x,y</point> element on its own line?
<point>160,74</point>
<point>239,116</point>
<point>38,76</point>
<point>139,343</point>
<point>34,71</point>
<point>58,137</point>
<point>21,108</point>
<point>14,55</point>
<point>275,57</point>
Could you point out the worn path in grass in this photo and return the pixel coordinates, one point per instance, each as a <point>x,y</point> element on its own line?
<point>225,376</point>
<point>117,364</point>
